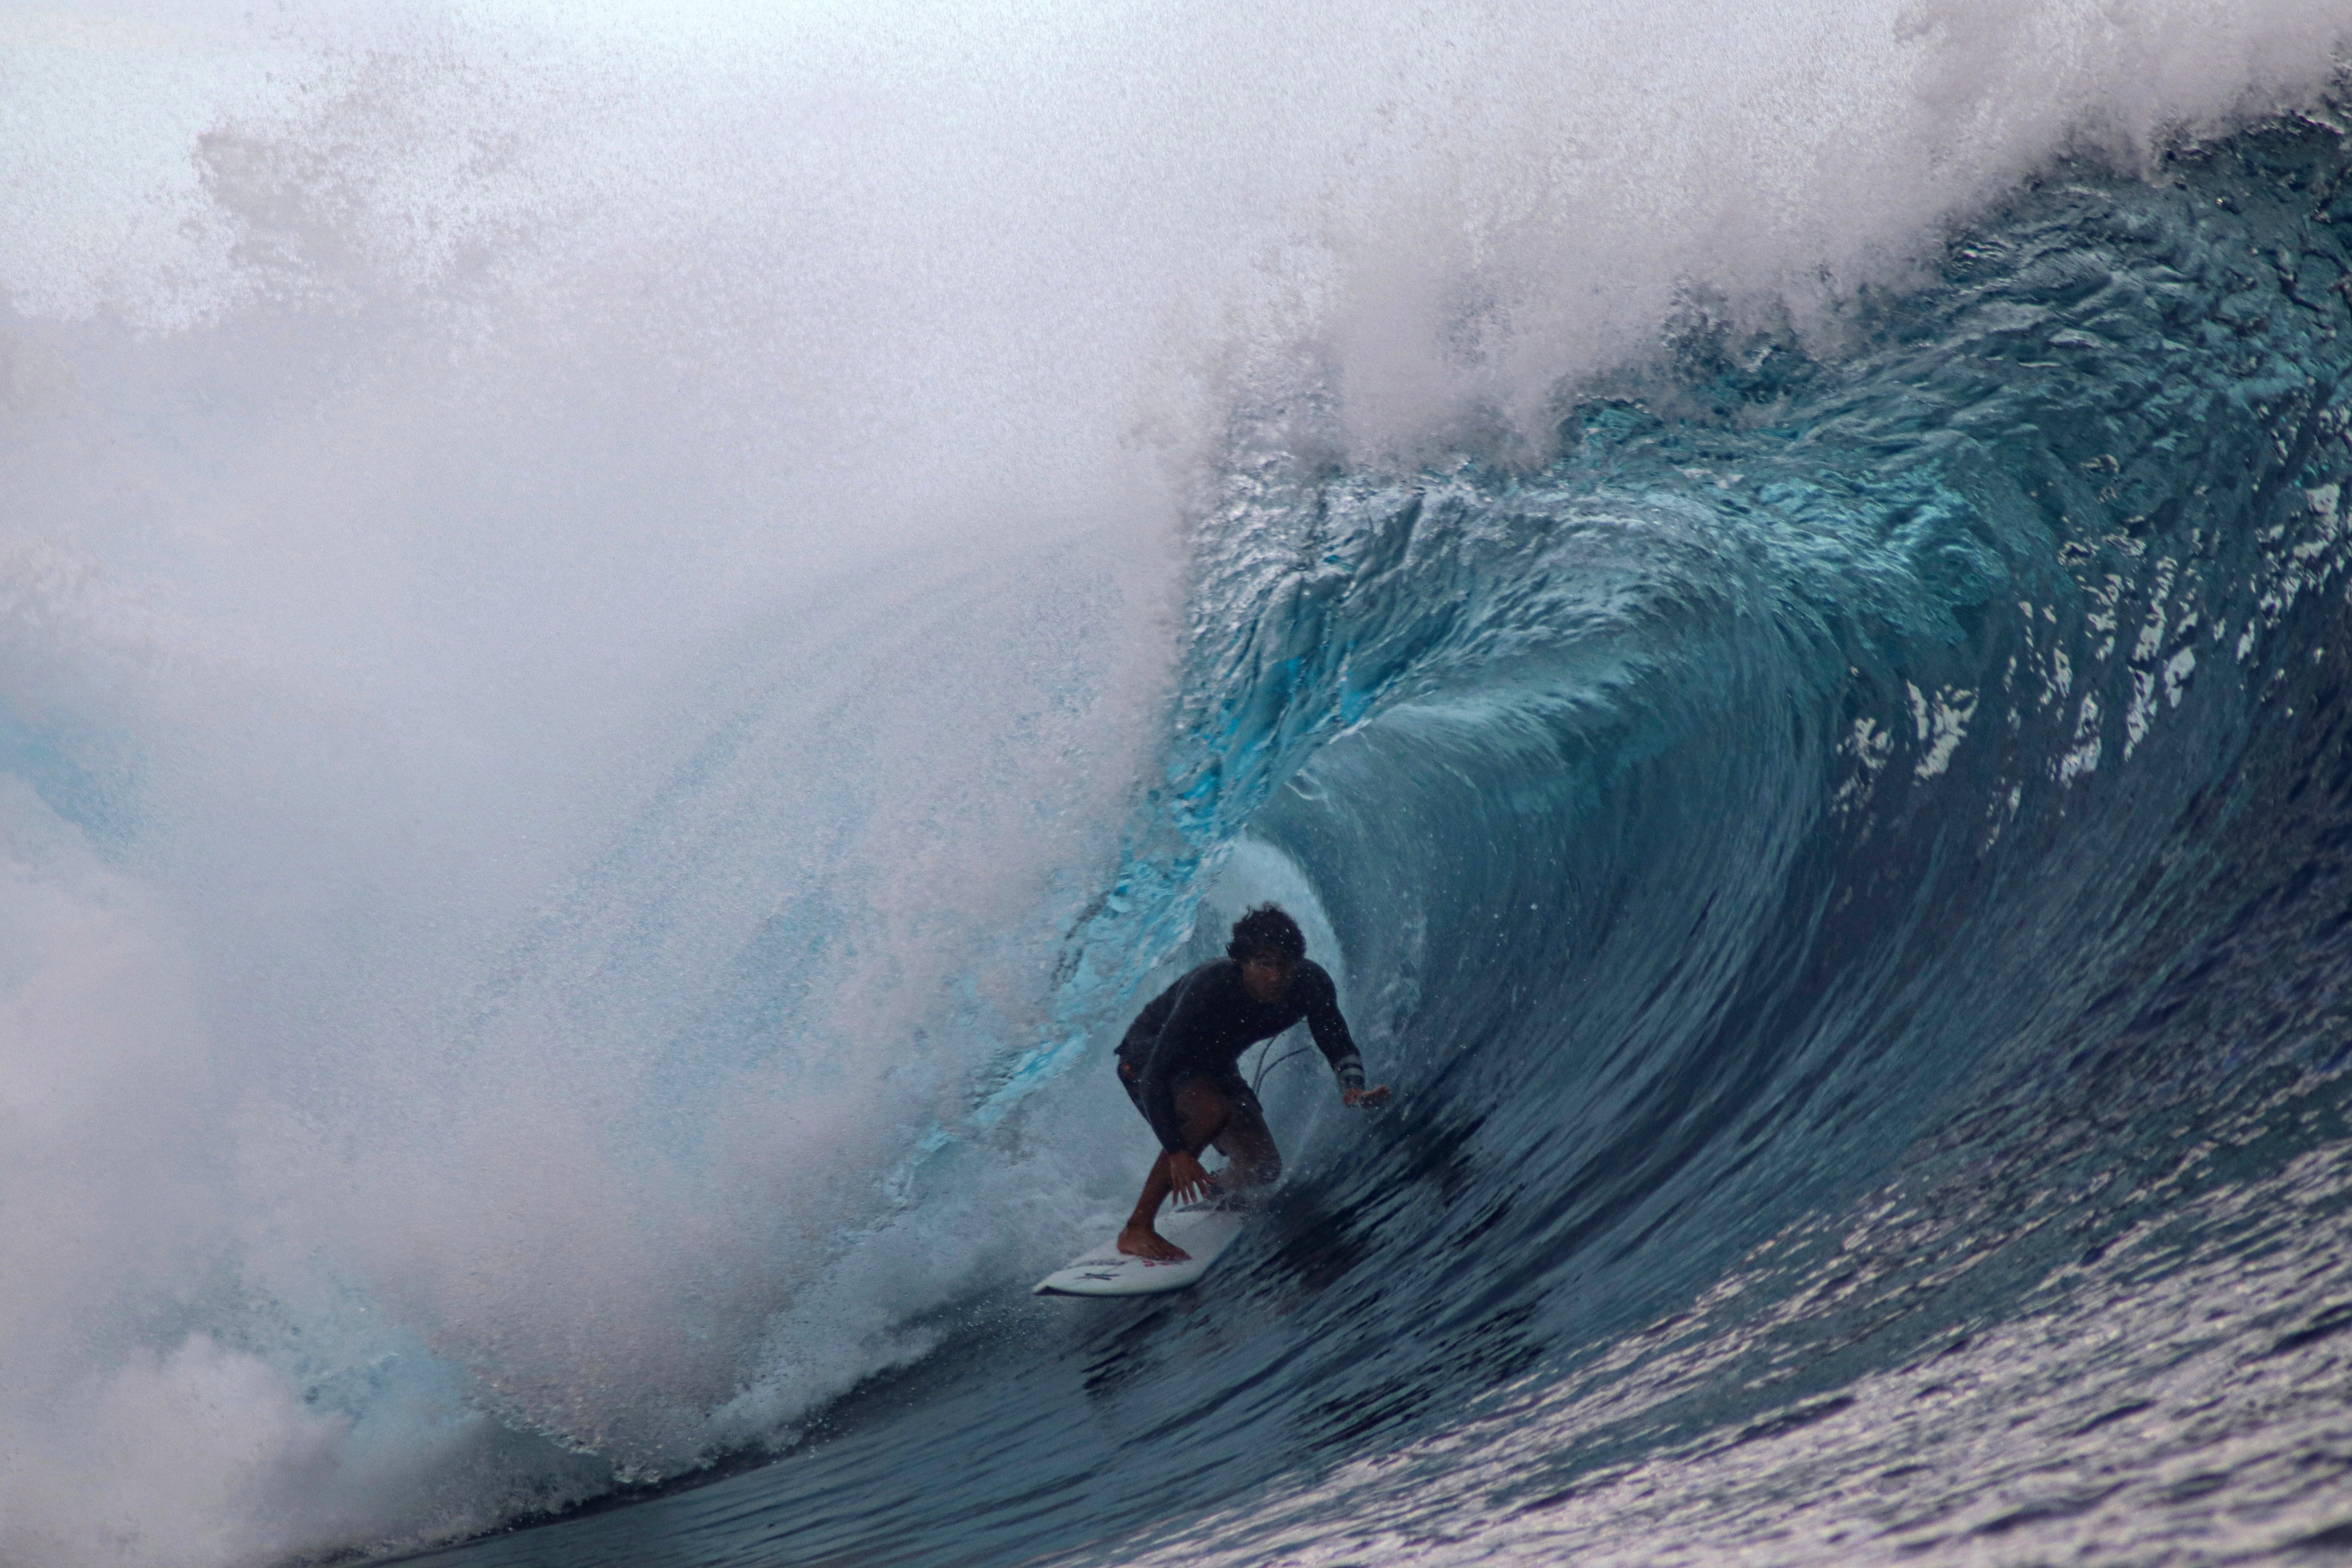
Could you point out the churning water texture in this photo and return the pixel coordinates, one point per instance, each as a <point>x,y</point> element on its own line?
<point>1847,870</point>
<point>550,1052</point>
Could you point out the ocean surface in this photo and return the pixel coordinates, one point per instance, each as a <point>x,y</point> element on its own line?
<point>529,1048</point>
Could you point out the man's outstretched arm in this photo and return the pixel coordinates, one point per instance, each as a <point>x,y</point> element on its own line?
<point>1325,1022</point>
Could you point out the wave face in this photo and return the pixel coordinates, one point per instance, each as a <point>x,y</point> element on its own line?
<point>1845,869</point>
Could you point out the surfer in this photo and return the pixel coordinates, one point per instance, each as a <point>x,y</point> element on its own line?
<point>1177,1063</point>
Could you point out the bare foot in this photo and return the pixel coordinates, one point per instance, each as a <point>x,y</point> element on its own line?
<point>1142,1241</point>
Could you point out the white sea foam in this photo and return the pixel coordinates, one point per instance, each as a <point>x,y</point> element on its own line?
<point>585,590</point>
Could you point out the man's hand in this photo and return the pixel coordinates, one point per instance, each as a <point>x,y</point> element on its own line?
<point>1185,1176</point>
<point>1366,1099</point>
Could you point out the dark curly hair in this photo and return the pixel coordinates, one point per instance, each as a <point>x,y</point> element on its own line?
<point>1266,929</point>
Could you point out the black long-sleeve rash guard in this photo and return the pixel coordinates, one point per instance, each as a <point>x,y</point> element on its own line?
<point>1204,1022</point>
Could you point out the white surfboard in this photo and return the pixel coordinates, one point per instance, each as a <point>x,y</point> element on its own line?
<point>1202,1231</point>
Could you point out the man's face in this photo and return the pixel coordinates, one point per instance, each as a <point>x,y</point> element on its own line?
<point>1266,976</point>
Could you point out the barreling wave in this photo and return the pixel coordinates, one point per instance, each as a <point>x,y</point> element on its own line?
<point>1845,869</point>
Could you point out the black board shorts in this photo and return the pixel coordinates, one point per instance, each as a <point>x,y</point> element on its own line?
<point>1230,1082</point>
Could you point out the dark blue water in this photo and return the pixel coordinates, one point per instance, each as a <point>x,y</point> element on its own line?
<point>1846,869</point>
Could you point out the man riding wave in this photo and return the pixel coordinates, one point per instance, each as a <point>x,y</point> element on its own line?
<point>1177,1063</point>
